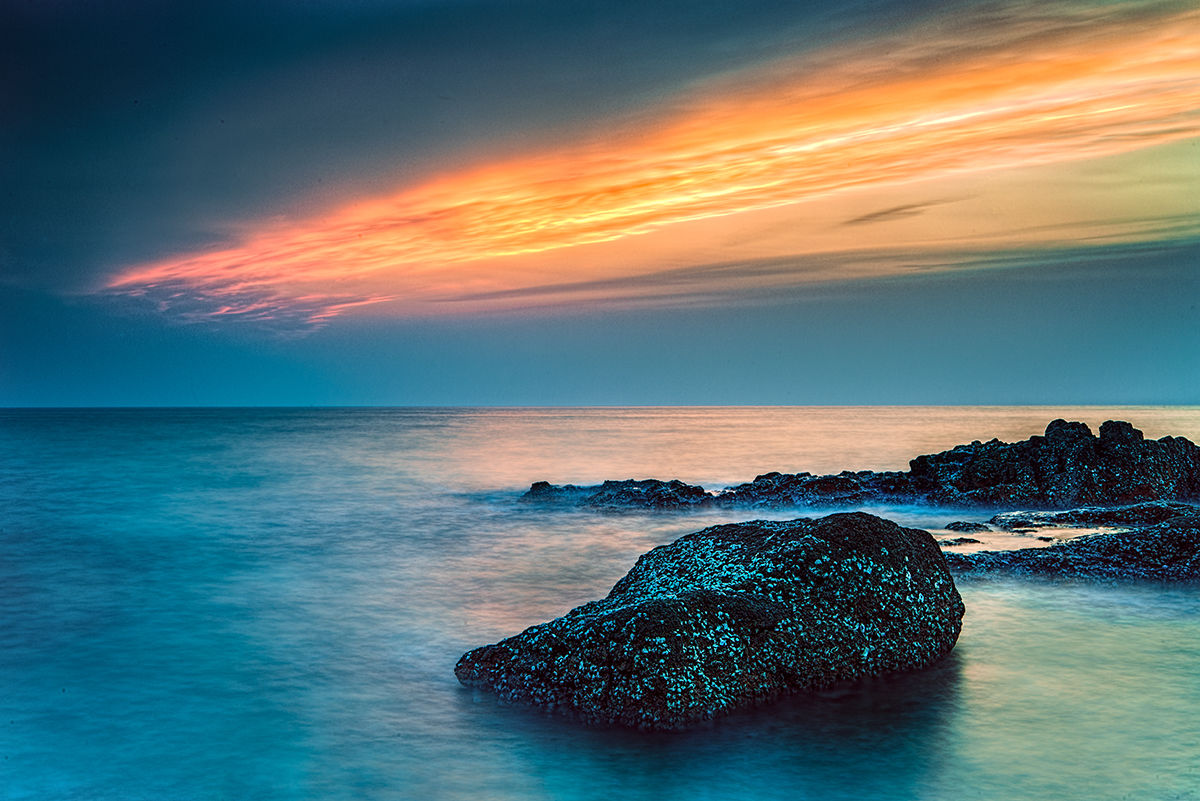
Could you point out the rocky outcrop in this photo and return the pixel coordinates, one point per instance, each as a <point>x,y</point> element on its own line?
<point>731,616</point>
<point>1166,550</point>
<point>1067,467</point>
<point>803,489</point>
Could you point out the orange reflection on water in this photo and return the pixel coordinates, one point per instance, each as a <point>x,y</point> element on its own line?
<point>791,132</point>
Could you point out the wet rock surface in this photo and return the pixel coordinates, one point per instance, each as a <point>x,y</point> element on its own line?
<point>1167,550</point>
<point>967,528</point>
<point>803,489</point>
<point>732,616</point>
<point>1138,514</point>
<point>650,493</point>
<point>631,493</point>
<point>958,541</point>
<point>1067,467</point>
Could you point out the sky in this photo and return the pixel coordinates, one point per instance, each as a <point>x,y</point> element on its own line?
<point>459,202</point>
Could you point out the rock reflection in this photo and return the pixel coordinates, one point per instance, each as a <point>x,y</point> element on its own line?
<point>883,738</point>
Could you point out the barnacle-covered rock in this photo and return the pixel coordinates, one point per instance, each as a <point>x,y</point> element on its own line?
<point>734,615</point>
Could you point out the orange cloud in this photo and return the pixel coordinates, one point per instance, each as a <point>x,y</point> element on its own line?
<point>1025,91</point>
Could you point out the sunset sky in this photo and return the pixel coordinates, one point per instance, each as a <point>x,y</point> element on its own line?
<point>452,202</point>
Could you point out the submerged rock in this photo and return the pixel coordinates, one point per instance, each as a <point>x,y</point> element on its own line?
<point>966,527</point>
<point>1138,514</point>
<point>1168,550</point>
<point>630,493</point>
<point>734,615</point>
<point>650,493</point>
<point>1067,467</point>
<point>958,541</point>
<point>545,492</point>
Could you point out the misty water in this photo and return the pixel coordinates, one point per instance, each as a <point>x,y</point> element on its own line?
<point>268,604</point>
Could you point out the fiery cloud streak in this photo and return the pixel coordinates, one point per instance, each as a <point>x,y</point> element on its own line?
<point>1072,86</point>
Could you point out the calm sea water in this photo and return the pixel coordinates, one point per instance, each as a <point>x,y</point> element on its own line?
<point>268,604</point>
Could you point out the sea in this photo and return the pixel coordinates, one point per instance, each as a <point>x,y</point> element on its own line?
<point>269,603</point>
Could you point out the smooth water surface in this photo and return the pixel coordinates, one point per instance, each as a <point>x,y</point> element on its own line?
<point>268,604</point>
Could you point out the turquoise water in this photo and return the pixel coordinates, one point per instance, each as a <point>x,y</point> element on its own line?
<point>268,604</point>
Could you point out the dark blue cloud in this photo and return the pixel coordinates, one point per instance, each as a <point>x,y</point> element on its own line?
<point>132,130</point>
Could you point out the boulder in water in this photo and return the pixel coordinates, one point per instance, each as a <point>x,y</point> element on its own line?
<point>732,616</point>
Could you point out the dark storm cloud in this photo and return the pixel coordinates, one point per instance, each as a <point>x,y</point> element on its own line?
<point>134,129</point>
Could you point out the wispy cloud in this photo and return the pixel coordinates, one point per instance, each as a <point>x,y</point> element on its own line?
<point>753,281</point>
<point>1008,85</point>
<point>893,213</point>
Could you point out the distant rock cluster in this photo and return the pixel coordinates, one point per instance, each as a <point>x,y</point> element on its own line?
<point>737,614</point>
<point>1068,467</point>
<point>734,615</point>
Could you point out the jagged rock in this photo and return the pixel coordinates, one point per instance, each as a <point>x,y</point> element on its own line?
<point>1138,514</point>
<point>967,527</point>
<point>1168,550</point>
<point>650,493</point>
<point>1068,467</point>
<point>958,541</point>
<point>545,492</point>
<point>1065,468</point>
<point>734,615</point>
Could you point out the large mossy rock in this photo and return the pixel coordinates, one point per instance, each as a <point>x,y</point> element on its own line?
<point>734,615</point>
